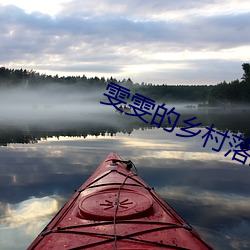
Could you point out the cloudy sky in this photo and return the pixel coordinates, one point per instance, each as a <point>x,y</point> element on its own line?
<point>158,41</point>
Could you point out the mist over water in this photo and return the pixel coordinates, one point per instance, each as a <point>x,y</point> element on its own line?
<point>51,103</point>
<point>197,181</point>
<point>60,105</point>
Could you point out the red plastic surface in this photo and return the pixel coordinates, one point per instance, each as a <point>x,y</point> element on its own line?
<point>102,205</point>
<point>91,219</point>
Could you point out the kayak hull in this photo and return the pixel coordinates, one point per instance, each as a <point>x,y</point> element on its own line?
<point>116,209</point>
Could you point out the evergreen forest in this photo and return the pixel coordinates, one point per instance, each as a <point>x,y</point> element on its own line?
<point>224,93</point>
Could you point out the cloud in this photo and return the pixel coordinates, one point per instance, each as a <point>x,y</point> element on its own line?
<point>147,9</point>
<point>116,30</point>
<point>26,220</point>
<point>124,41</point>
<point>29,210</point>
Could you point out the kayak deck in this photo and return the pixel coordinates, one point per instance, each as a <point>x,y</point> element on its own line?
<point>116,209</point>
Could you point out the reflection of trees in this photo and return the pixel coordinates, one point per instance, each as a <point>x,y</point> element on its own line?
<point>18,136</point>
<point>236,122</point>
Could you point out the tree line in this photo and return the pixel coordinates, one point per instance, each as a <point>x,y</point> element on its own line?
<point>236,91</point>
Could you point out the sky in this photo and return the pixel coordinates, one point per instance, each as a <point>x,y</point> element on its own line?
<point>159,42</point>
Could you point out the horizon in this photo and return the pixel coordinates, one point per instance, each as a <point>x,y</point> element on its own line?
<point>61,76</point>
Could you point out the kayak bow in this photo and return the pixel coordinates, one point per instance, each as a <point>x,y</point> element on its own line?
<point>116,209</point>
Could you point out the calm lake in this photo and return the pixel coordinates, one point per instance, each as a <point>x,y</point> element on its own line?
<point>44,158</point>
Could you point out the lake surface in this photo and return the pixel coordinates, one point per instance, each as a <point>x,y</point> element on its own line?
<point>43,160</point>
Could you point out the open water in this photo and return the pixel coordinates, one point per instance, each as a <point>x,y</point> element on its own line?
<point>43,162</point>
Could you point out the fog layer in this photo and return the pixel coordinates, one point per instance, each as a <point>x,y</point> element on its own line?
<point>52,103</point>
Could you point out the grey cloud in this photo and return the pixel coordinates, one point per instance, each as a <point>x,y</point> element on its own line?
<point>83,68</point>
<point>135,8</point>
<point>209,71</point>
<point>98,39</point>
<point>219,31</point>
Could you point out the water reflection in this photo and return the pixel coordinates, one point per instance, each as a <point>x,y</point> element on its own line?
<point>209,190</point>
<point>101,124</point>
<point>21,221</point>
<point>33,209</point>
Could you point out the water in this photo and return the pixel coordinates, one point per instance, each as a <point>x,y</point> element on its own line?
<point>43,162</point>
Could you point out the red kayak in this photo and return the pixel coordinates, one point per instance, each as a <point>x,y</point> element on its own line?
<point>116,209</point>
